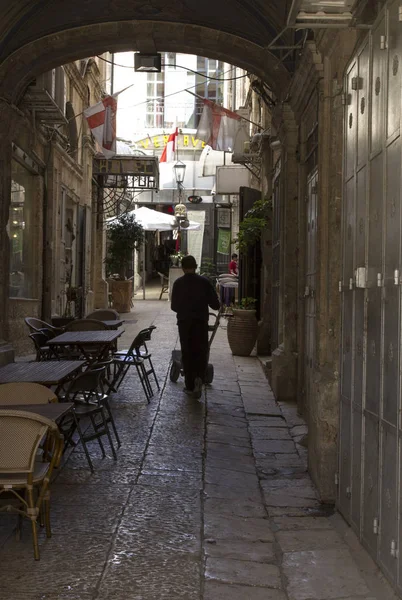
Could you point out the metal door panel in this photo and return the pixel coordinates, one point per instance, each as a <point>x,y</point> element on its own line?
<point>356,475</point>
<point>361,215</point>
<point>392,210</point>
<point>373,351</point>
<point>391,355</point>
<point>349,228</point>
<point>375,218</point>
<point>358,342</point>
<point>370,483</point>
<point>344,491</point>
<point>346,374</point>
<point>377,87</point>
<point>394,69</point>
<point>388,517</point>
<point>362,105</point>
<point>351,122</point>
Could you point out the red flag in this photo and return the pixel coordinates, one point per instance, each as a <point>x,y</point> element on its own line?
<point>218,126</point>
<point>168,154</point>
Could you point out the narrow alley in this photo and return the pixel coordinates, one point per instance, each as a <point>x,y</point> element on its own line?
<point>208,500</point>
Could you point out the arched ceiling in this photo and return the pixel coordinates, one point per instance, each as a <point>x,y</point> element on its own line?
<point>36,35</point>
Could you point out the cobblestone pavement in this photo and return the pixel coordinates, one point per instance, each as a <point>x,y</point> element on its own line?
<point>208,500</point>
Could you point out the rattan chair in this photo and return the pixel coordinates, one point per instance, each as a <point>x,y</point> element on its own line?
<point>20,472</point>
<point>90,402</point>
<point>85,325</point>
<point>25,393</point>
<point>104,314</point>
<point>35,325</point>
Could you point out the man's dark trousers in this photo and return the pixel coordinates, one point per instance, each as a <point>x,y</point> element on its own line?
<point>194,349</point>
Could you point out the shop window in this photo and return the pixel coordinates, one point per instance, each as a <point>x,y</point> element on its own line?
<point>21,230</point>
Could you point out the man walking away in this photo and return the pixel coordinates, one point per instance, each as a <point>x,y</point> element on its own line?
<point>191,297</point>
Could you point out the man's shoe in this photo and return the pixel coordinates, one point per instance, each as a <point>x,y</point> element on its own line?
<point>188,392</point>
<point>197,388</point>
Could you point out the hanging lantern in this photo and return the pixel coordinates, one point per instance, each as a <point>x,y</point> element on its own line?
<point>180,211</point>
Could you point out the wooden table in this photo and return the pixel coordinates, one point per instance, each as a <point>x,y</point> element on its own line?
<point>94,345</point>
<point>53,411</point>
<point>48,373</point>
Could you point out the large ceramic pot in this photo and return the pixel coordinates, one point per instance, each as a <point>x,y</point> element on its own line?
<point>242,331</point>
<point>122,294</point>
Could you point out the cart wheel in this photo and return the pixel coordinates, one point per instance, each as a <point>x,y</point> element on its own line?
<point>174,372</point>
<point>209,374</point>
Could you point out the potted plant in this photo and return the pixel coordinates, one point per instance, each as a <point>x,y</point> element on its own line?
<point>243,327</point>
<point>124,236</point>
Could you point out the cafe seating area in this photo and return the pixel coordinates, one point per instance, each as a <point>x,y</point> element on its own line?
<point>61,401</point>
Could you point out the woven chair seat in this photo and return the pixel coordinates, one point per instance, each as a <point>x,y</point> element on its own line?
<point>16,481</point>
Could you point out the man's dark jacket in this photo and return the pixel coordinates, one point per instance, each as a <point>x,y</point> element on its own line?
<point>191,296</point>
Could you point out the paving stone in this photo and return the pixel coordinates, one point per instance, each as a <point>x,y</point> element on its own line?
<point>300,523</point>
<point>296,541</point>
<point>230,478</point>
<point>243,572</point>
<point>237,528</point>
<point>328,574</point>
<point>270,433</point>
<point>220,591</point>
<point>241,494</point>
<point>243,464</point>
<point>237,508</point>
<point>253,551</point>
<point>263,421</point>
<point>226,451</point>
<point>262,447</point>
<point>226,431</point>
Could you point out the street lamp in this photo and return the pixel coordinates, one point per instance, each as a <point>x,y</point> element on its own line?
<point>179,173</point>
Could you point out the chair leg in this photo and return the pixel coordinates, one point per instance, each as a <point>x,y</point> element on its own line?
<point>143,383</point>
<point>83,443</point>
<point>106,428</point>
<point>110,420</point>
<point>95,428</point>
<point>154,374</point>
<point>46,505</point>
<point>32,513</point>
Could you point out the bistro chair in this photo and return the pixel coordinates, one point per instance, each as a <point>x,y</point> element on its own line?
<point>37,325</point>
<point>142,351</point>
<point>43,351</point>
<point>164,284</point>
<point>21,473</point>
<point>25,393</point>
<point>90,403</point>
<point>85,325</point>
<point>125,359</point>
<point>104,314</point>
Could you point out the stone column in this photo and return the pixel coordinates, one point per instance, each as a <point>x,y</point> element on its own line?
<point>7,124</point>
<point>265,325</point>
<point>284,358</point>
<point>100,285</point>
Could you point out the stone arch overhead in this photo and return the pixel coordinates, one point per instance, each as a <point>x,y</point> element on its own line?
<point>55,49</point>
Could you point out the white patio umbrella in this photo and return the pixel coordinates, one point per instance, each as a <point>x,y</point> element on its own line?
<point>153,220</point>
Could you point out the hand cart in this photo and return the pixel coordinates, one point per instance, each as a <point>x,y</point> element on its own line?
<point>177,366</point>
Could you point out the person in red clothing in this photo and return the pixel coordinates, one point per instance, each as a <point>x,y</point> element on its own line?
<point>233,265</point>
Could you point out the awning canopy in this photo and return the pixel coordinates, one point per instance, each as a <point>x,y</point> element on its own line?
<point>154,220</point>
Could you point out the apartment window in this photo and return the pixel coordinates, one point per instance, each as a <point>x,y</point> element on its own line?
<point>23,265</point>
<point>208,88</point>
<point>155,99</point>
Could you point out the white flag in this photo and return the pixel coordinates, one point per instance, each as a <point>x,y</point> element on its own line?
<point>218,126</point>
<point>101,119</point>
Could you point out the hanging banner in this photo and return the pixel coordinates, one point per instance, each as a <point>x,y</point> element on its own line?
<point>223,241</point>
